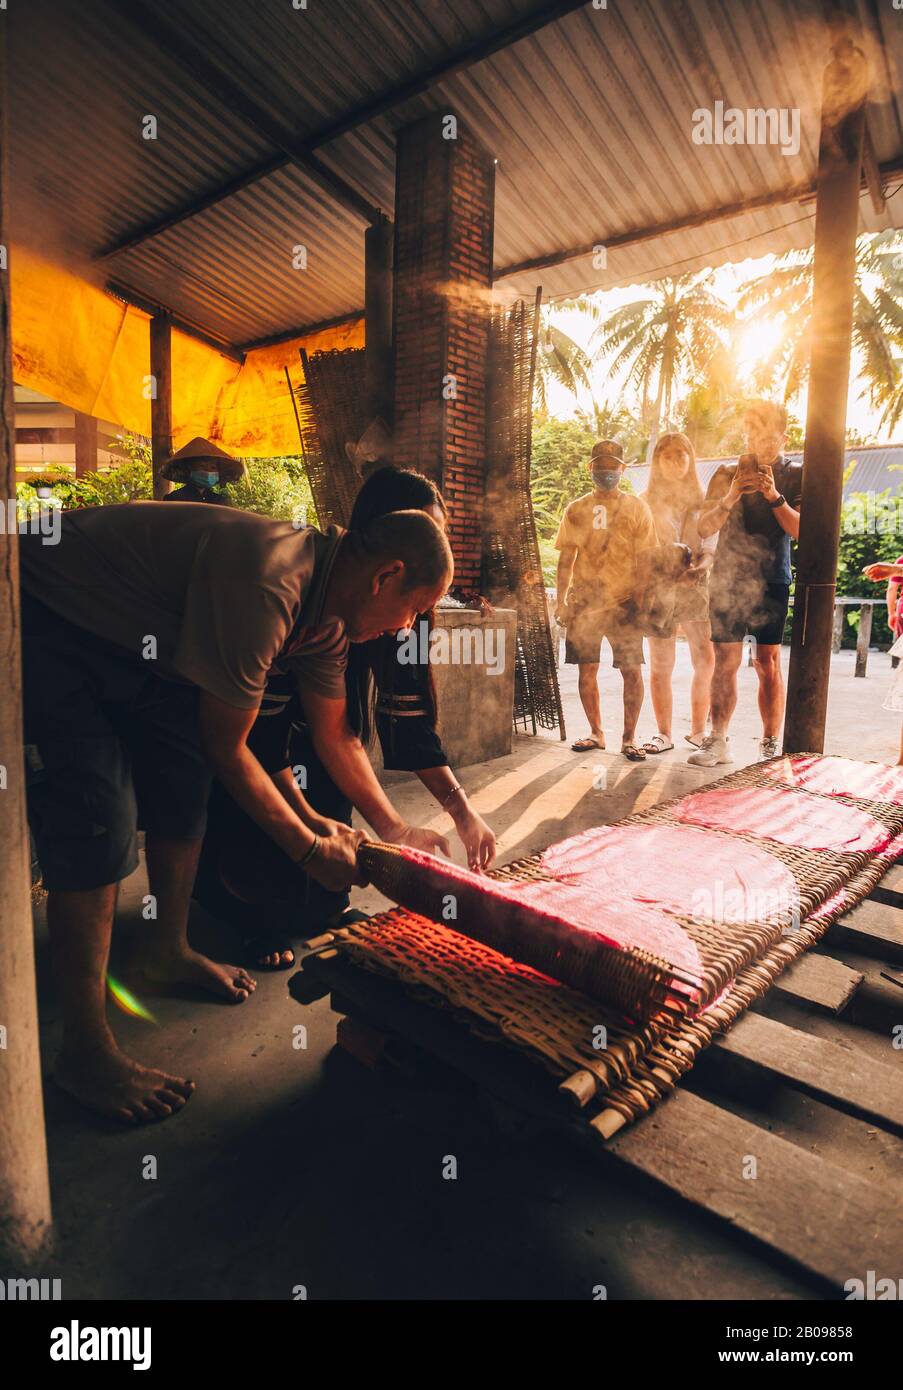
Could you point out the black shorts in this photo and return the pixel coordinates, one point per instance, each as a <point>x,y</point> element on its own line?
<point>112,747</point>
<point>764,621</point>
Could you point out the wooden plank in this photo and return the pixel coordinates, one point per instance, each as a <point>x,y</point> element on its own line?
<point>874,928</point>
<point>892,882</point>
<point>820,980</point>
<point>830,1222</point>
<point>832,1070</point>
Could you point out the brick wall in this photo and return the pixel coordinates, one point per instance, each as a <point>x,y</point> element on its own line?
<point>443,279</point>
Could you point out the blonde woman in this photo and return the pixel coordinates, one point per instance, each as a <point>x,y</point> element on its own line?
<point>680,587</point>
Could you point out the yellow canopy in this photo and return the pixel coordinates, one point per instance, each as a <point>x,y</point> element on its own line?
<point>74,342</point>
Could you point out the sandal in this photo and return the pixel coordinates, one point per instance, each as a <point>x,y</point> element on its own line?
<point>585,745</point>
<point>694,740</point>
<point>260,944</point>
<point>658,744</point>
<point>633,754</point>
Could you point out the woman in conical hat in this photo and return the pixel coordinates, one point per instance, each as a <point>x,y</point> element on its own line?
<point>201,466</point>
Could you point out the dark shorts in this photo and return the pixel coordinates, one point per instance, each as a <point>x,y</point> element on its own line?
<point>764,621</point>
<point>587,629</point>
<point>112,747</point>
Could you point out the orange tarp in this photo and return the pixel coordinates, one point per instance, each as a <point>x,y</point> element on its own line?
<point>75,343</point>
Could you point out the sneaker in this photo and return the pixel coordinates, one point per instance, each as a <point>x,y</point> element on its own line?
<point>713,753</point>
<point>768,748</point>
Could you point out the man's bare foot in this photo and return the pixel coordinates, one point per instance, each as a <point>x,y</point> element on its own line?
<point>188,967</point>
<point>107,1081</point>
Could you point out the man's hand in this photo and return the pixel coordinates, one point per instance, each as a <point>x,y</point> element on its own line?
<point>417,837</point>
<point>766,486</point>
<point>335,865</point>
<point>477,839</point>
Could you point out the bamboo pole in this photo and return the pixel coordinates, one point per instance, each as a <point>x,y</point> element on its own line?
<point>24,1181</point>
<point>844,91</point>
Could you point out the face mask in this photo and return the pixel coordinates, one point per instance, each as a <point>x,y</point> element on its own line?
<point>606,478</point>
<point>200,478</point>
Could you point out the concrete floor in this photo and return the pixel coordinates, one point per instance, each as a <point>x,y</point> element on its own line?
<point>299,1167</point>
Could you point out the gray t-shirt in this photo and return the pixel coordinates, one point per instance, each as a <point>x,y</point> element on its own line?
<point>222,592</point>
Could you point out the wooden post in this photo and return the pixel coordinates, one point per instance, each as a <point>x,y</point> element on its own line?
<point>837,632</point>
<point>836,224</point>
<point>161,398</point>
<point>24,1182</point>
<point>85,444</point>
<point>863,637</point>
<point>378,251</point>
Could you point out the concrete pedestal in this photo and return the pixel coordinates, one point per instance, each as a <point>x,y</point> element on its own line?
<point>475,682</point>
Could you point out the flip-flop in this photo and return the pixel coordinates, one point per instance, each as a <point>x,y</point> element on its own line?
<point>658,744</point>
<point>633,754</point>
<point>584,745</point>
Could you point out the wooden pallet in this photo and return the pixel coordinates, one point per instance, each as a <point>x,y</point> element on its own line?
<point>832,1224</point>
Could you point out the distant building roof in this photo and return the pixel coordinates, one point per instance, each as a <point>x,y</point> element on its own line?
<point>878,467</point>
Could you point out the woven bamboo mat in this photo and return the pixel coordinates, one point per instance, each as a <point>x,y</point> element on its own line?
<point>615,1070</point>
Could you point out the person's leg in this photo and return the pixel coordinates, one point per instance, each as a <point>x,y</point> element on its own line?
<point>771,688</point>
<point>702,655</point>
<point>166,956</point>
<point>588,686</point>
<point>171,778</point>
<point>90,1065</point>
<point>81,809</point>
<point>662,652</point>
<point>632,676</point>
<point>724,685</point>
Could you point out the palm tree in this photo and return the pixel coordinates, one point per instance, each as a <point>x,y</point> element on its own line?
<point>670,335</point>
<point>559,358</point>
<point>786,292</point>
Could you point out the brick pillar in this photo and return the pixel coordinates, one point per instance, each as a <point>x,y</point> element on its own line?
<point>443,279</point>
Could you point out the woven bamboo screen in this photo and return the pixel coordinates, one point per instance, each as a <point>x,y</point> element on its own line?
<point>330,413</point>
<point>512,569</point>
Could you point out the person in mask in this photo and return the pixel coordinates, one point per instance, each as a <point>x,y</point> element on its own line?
<point>201,467</point>
<point>604,541</point>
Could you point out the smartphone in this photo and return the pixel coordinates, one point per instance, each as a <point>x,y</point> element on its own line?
<point>750,471</point>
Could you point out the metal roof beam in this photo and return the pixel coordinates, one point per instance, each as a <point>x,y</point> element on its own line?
<point>233,95</point>
<point>155,310</point>
<point>303,150</point>
<point>803,192</point>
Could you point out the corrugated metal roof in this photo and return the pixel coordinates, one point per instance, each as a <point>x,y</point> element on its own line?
<point>590,120</point>
<point>877,469</point>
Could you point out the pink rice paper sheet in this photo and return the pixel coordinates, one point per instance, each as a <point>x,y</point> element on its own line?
<point>679,869</point>
<point>801,822</point>
<point>834,776</point>
<point>616,922</point>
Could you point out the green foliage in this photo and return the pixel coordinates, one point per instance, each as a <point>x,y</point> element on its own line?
<point>276,487</point>
<point>864,545</point>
